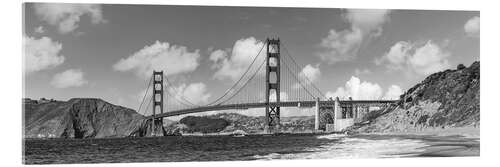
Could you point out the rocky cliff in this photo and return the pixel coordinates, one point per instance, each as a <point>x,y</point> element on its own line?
<point>445,99</point>
<point>80,118</point>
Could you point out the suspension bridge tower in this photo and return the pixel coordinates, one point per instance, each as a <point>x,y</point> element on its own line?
<point>272,84</point>
<point>157,103</point>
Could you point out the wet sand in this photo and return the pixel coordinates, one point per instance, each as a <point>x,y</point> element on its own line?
<point>450,142</point>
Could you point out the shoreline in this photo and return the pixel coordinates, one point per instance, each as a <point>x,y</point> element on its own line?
<point>448,142</point>
<point>465,132</point>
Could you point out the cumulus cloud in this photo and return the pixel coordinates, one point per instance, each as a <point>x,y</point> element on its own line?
<point>358,72</point>
<point>397,56</point>
<point>341,46</point>
<point>471,27</point>
<point>370,21</point>
<point>357,90</point>
<point>69,78</point>
<point>284,112</point>
<point>283,96</point>
<point>290,112</point>
<point>363,90</point>
<point>310,73</point>
<point>232,66</point>
<point>393,93</point>
<point>418,58</point>
<point>40,54</point>
<point>429,58</point>
<point>67,16</point>
<point>218,57</point>
<point>195,93</point>
<point>344,45</point>
<point>172,59</point>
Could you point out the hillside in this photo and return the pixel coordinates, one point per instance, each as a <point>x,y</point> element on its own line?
<point>204,124</point>
<point>233,121</point>
<point>447,99</point>
<point>79,118</point>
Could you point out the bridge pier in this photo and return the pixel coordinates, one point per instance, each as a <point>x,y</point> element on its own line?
<point>343,116</point>
<point>337,110</point>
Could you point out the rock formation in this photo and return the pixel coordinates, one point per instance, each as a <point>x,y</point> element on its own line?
<point>444,99</point>
<point>79,118</point>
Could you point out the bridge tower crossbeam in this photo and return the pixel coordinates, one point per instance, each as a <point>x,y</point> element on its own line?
<point>157,101</point>
<point>272,82</point>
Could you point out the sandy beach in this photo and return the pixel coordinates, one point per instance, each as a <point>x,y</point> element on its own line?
<point>448,142</point>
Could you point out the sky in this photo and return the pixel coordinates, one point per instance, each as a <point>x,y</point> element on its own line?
<point>109,51</point>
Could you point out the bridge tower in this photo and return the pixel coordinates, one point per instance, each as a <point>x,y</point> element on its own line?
<point>157,101</point>
<point>272,83</point>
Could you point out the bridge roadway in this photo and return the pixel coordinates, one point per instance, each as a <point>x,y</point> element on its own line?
<point>263,105</point>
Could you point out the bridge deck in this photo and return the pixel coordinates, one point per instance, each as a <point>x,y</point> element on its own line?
<point>262,105</point>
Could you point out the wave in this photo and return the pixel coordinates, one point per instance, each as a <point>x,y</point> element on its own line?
<point>349,147</point>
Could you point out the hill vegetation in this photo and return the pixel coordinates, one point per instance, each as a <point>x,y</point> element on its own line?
<point>78,118</point>
<point>447,99</point>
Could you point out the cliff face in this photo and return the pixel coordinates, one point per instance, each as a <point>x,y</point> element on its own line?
<point>80,118</point>
<point>445,99</point>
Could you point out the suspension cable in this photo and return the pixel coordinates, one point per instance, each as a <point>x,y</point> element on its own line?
<point>314,86</point>
<point>298,80</point>
<point>254,74</point>
<point>145,93</point>
<point>178,93</point>
<point>149,104</point>
<point>176,99</point>
<point>242,76</point>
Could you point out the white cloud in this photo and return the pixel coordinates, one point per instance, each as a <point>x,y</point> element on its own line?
<point>290,112</point>
<point>429,58</point>
<point>283,96</point>
<point>357,90</point>
<point>232,66</point>
<point>172,59</point>
<point>423,59</point>
<point>472,27</point>
<point>393,93</point>
<point>218,57</point>
<point>341,46</point>
<point>69,78</point>
<point>195,93</point>
<point>67,16</point>
<point>364,90</point>
<point>344,45</point>
<point>41,54</point>
<point>254,112</point>
<point>370,21</point>
<point>39,29</point>
<point>397,56</point>
<point>359,72</point>
<point>310,73</point>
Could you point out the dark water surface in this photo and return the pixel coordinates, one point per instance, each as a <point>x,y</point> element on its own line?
<point>254,147</point>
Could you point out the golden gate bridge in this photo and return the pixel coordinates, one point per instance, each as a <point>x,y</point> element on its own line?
<point>270,74</point>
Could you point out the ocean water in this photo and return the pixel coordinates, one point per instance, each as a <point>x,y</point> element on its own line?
<point>253,147</point>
